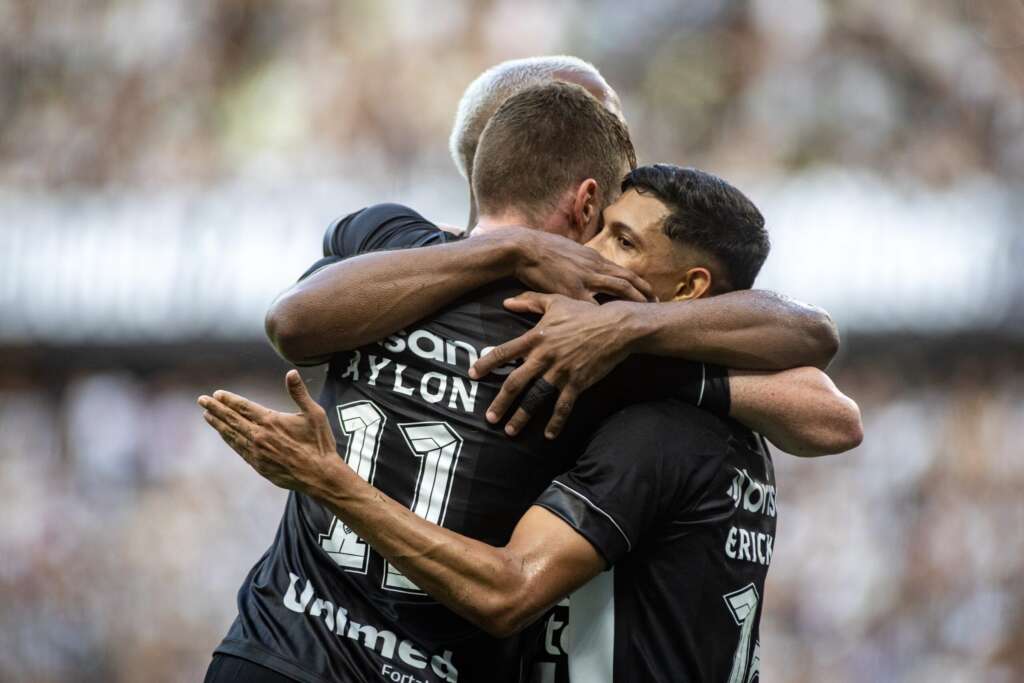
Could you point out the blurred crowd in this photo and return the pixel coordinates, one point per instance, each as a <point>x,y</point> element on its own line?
<point>126,525</point>
<point>157,92</point>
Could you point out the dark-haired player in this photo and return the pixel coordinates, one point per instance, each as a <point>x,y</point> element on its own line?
<point>321,604</point>
<point>678,502</point>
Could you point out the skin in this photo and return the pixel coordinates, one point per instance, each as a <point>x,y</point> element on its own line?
<point>574,346</point>
<point>500,589</point>
<point>634,239</point>
<point>753,330</point>
<point>503,589</point>
<point>590,82</point>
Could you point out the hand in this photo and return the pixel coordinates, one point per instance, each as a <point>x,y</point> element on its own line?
<point>291,450</point>
<point>574,346</point>
<point>555,264</point>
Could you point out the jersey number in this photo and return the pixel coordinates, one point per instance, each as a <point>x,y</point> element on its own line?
<point>742,605</point>
<point>437,447</point>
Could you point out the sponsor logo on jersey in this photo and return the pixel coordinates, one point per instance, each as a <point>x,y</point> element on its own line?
<point>756,497</point>
<point>383,642</point>
<point>453,387</point>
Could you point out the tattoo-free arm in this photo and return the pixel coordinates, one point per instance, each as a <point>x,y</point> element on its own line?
<point>501,590</point>
<point>365,298</point>
<point>575,345</point>
<point>800,410</point>
<point>750,329</point>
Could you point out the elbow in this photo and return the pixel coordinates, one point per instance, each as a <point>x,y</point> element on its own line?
<point>822,338</point>
<point>284,328</point>
<point>844,433</point>
<point>506,607</point>
<point>503,615</point>
<point>849,432</point>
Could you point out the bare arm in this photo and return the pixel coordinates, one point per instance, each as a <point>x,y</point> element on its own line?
<point>501,590</point>
<point>800,410</point>
<point>750,329</point>
<point>576,344</point>
<point>323,313</point>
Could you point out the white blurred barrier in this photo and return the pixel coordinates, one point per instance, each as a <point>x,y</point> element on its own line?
<point>187,265</point>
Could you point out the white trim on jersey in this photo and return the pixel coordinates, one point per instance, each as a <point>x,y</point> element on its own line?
<point>703,378</point>
<point>629,546</point>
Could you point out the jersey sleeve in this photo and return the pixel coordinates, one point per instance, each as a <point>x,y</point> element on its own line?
<point>381,226</point>
<point>375,228</point>
<point>644,464</point>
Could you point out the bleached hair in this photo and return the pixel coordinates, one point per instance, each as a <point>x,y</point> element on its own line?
<point>491,88</point>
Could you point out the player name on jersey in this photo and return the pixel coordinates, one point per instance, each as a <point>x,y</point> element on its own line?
<point>384,369</point>
<point>759,498</point>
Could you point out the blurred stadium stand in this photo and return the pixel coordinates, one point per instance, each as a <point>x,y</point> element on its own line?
<point>167,167</point>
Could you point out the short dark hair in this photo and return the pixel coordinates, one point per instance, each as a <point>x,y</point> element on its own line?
<point>708,213</point>
<point>542,141</point>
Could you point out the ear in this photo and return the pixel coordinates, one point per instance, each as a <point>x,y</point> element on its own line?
<point>694,285</point>
<point>585,211</point>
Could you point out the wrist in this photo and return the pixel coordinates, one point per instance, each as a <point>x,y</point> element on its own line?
<point>506,251</point>
<point>635,324</point>
<point>332,480</point>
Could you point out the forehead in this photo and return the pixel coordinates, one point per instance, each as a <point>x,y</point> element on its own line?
<point>642,212</point>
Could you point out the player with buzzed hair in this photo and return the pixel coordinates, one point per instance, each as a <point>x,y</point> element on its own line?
<point>495,85</point>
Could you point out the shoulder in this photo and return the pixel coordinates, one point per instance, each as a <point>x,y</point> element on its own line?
<point>666,427</point>
<point>381,226</point>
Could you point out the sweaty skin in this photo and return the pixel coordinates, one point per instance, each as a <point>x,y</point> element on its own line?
<point>500,589</point>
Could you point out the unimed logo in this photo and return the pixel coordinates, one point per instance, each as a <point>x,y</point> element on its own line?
<point>383,642</point>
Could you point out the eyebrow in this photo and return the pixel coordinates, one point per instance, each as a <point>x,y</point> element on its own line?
<point>630,232</point>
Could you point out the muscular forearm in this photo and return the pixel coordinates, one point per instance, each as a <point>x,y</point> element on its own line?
<point>800,410</point>
<point>365,298</point>
<point>474,579</point>
<point>751,329</point>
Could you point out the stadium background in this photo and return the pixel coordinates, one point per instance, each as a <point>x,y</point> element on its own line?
<point>167,166</point>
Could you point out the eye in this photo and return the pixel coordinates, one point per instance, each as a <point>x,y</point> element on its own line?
<point>624,242</point>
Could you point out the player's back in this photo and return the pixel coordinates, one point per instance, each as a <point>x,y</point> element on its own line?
<point>681,504</point>
<point>409,420</point>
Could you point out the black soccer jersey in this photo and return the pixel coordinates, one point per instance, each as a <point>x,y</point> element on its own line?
<point>681,504</point>
<point>321,605</point>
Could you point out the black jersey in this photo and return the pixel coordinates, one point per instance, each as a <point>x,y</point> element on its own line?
<point>321,605</point>
<point>681,504</point>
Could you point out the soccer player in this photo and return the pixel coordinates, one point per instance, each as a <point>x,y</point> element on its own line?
<point>321,604</point>
<point>679,501</point>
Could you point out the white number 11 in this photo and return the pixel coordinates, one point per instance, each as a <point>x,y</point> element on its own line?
<point>435,444</point>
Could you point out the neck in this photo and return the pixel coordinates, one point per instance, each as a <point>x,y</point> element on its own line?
<point>495,221</point>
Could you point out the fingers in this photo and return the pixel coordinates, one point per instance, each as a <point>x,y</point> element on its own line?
<point>641,285</point>
<point>516,423</point>
<point>514,384</point>
<point>617,287</point>
<point>503,355</point>
<point>241,405</point>
<point>638,283</point>
<point>563,409</point>
<point>227,415</point>
<point>529,302</point>
<point>299,392</point>
<point>232,437</point>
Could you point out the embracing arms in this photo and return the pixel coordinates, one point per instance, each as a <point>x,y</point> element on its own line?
<point>367,297</point>
<point>576,344</point>
<point>501,590</point>
<point>799,410</point>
